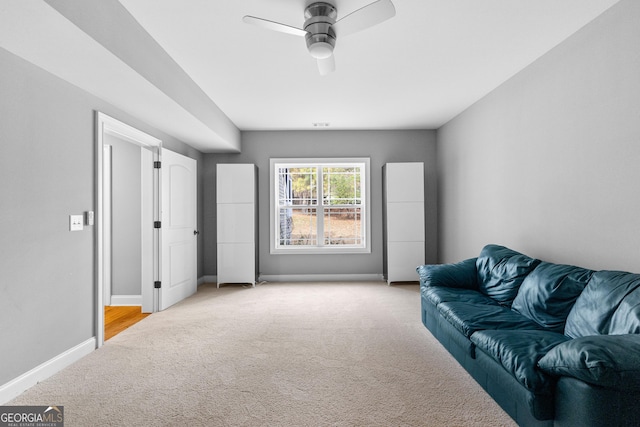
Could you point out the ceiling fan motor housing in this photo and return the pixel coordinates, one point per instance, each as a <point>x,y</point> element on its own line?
<point>319,20</point>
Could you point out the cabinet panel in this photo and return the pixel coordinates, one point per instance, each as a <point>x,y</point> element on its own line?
<point>405,182</point>
<point>235,183</point>
<point>236,223</point>
<point>405,222</point>
<point>238,260</point>
<point>403,258</point>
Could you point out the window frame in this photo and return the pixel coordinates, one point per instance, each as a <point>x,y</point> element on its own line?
<point>274,213</point>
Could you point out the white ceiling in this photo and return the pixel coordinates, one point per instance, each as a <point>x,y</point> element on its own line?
<point>416,71</point>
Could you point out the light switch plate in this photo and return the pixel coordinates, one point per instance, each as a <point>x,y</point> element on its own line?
<point>88,217</point>
<point>76,222</point>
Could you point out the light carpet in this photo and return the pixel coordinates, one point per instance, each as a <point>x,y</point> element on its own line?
<point>280,354</point>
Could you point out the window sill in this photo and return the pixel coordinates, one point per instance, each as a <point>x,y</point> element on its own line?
<point>321,251</point>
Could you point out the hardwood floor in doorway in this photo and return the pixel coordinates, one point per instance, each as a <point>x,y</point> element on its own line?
<point>119,318</point>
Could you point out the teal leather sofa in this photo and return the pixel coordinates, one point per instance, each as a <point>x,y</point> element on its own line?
<point>553,344</point>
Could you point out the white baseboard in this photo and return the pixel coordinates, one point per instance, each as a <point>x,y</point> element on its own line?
<point>17,386</point>
<point>306,278</point>
<point>126,299</point>
<point>321,278</point>
<point>207,279</point>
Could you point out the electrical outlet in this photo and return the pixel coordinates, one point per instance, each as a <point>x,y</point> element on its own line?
<point>76,222</point>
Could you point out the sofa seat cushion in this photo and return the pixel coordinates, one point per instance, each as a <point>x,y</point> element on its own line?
<point>501,272</point>
<point>469,317</point>
<point>438,294</point>
<point>609,304</point>
<point>611,361</point>
<point>548,293</point>
<point>518,351</point>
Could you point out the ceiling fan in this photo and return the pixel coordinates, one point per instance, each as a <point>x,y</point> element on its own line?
<point>321,27</point>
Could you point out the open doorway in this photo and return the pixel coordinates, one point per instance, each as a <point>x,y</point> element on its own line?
<point>146,219</point>
<point>127,206</point>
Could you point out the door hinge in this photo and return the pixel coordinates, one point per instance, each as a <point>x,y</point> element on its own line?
<point>157,284</point>
<point>157,165</point>
<point>157,224</point>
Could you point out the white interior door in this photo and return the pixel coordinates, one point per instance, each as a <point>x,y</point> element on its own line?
<point>178,226</point>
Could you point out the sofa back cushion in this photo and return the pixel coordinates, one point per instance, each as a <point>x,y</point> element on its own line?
<point>501,272</point>
<point>609,305</point>
<point>548,293</point>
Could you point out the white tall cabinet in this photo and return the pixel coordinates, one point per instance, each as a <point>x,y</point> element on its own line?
<point>236,198</point>
<point>403,205</point>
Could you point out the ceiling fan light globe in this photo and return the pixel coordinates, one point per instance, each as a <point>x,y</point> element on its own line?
<point>321,50</point>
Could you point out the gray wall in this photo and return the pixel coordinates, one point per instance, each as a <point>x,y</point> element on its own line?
<point>126,232</point>
<point>380,146</point>
<point>47,156</point>
<point>548,163</point>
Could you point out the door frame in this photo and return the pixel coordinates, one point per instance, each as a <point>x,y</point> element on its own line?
<point>106,125</point>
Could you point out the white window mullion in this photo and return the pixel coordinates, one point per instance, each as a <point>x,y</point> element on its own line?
<point>363,211</point>
<point>320,211</point>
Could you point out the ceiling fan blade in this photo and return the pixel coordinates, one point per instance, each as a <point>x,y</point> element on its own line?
<point>326,65</point>
<point>275,26</point>
<point>365,17</point>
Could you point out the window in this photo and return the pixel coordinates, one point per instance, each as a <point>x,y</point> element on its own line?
<point>320,206</point>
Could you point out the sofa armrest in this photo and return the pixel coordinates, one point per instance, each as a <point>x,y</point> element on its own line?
<point>611,361</point>
<point>459,275</point>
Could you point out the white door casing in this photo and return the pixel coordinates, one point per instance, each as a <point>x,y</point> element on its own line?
<point>178,228</point>
<point>106,223</point>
